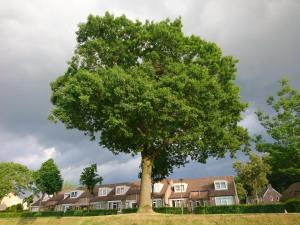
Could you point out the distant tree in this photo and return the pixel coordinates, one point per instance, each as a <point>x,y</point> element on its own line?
<point>48,179</point>
<point>283,126</point>
<point>241,191</point>
<point>252,175</point>
<point>150,89</point>
<point>14,178</point>
<point>67,185</point>
<point>28,200</point>
<point>90,178</point>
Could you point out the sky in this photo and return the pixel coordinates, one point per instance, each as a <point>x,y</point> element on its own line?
<point>37,38</point>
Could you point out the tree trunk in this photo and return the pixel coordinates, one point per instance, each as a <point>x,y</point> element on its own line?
<point>145,205</point>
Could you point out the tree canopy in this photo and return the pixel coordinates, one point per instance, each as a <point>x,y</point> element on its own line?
<point>48,179</point>
<point>252,175</point>
<point>283,126</point>
<point>90,178</point>
<point>14,178</point>
<point>150,89</point>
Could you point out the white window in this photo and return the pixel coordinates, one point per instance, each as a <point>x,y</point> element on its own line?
<point>157,187</point>
<point>74,194</point>
<point>180,187</point>
<point>103,191</point>
<point>221,185</point>
<point>120,190</point>
<point>226,200</point>
<point>157,203</point>
<point>99,205</point>
<point>271,198</point>
<point>177,202</point>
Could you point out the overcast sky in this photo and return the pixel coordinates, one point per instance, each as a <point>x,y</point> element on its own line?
<point>37,38</point>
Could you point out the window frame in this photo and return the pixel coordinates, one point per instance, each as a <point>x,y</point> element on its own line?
<point>122,188</point>
<point>218,185</point>
<point>102,190</point>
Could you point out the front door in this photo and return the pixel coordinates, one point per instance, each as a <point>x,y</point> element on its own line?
<point>115,205</point>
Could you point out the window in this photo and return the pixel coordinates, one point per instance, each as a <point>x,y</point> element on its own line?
<point>99,205</point>
<point>226,200</point>
<point>103,191</point>
<point>157,187</point>
<point>221,185</point>
<point>120,190</point>
<point>74,194</point>
<point>271,198</point>
<point>180,187</point>
<point>157,203</point>
<point>177,202</point>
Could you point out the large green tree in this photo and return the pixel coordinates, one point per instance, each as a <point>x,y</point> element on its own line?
<point>283,126</point>
<point>147,88</point>
<point>14,178</point>
<point>252,176</point>
<point>48,179</point>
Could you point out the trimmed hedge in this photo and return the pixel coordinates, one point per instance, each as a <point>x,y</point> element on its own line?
<point>59,214</point>
<point>171,210</point>
<point>290,206</point>
<point>129,210</point>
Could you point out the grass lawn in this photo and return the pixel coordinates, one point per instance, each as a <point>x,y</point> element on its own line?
<point>159,219</point>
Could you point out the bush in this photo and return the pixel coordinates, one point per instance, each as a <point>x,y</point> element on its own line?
<point>231,209</point>
<point>293,205</point>
<point>15,208</point>
<point>129,210</point>
<point>59,214</point>
<point>171,210</point>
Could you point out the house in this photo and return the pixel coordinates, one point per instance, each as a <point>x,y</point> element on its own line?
<point>267,196</point>
<point>166,193</point>
<point>293,191</point>
<point>10,200</point>
<point>203,191</point>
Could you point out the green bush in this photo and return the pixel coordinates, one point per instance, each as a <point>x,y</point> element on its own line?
<point>171,210</point>
<point>234,209</point>
<point>293,205</point>
<point>59,214</point>
<point>15,208</point>
<point>129,210</point>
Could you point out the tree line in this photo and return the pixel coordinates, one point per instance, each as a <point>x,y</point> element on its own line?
<point>47,180</point>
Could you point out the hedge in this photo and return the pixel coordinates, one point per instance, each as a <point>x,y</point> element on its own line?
<point>129,210</point>
<point>59,214</point>
<point>171,210</point>
<point>290,206</point>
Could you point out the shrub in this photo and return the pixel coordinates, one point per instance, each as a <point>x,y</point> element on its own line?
<point>129,210</point>
<point>59,214</point>
<point>293,205</point>
<point>15,208</point>
<point>171,210</point>
<point>231,209</point>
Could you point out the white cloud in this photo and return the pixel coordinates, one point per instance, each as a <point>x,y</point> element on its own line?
<point>251,123</point>
<point>25,150</point>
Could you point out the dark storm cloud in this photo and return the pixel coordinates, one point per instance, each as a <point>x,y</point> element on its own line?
<point>38,38</point>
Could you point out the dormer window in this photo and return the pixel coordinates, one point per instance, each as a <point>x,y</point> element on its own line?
<point>120,190</point>
<point>157,187</point>
<point>221,185</point>
<point>74,194</point>
<point>103,191</point>
<point>180,187</point>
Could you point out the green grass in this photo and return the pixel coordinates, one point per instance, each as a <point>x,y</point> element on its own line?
<point>161,219</point>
